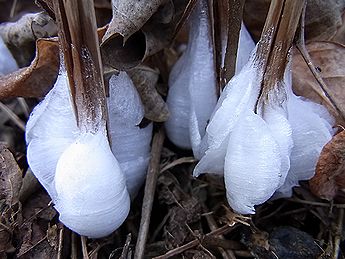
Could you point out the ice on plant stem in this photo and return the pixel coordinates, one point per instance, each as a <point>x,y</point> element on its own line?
<point>245,48</point>
<point>266,149</point>
<point>192,89</point>
<point>53,136</point>
<point>50,129</point>
<point>252,164</point>
<point>311,129</point>
<point>92,195</point>
<point>129,143</point>
<point>240,93</point>
<point>7,63</point>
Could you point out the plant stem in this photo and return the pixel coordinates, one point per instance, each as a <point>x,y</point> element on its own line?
<point>278,57</point>
<point>234,26</point>
<point>149,193</point>
<point>78,37</point>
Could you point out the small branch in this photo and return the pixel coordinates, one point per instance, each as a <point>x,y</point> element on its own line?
<point>60,247</point>
<point>320,204</point>
<point>338,234</point>
<point>195,242</point>
<point>226,254</point>
<point>12,116</point>
<point>324,91</point>
<point>150,187</point>
<point>84,247</point>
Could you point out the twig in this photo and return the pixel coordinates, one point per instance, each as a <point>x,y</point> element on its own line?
<point>74,253</point>
<point>315,203</point>
<point>186,13</point>
<point>179,161</point>
<point>84,247</point>
<point>195,242</point>
<point>325,91</point>
<point>12,116</point>
<point>125,250</point>
<point>24,106</point>
<point>60,247</point>
<point>227,254</point>
<point>150,187</point>
<point>13,8</point>
<point>338,235</point>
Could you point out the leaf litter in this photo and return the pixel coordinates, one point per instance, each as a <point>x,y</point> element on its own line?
<point>189,218</point>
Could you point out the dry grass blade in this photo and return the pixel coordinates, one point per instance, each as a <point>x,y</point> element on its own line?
<point>179,161</point>
<point>12,116</point>
<point>150,187</point>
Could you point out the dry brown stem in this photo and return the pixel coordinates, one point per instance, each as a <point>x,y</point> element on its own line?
<point>278,57</point>
<point>150,187</point>
<point>78,36</point>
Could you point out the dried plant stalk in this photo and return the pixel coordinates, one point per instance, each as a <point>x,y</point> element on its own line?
<point>80,46</point>
<point>279,55</point>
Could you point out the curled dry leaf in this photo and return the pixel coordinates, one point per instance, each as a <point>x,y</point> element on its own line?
<point>36,79</point>
<point>340,34</point>
<point>11,180</point>
<point>20,36</point>
<point>329,58</point>
<point>322,17</point>
<point>145,80</point>
<point>127,42</point>
<point>329,178</point>
<point>130,16</point>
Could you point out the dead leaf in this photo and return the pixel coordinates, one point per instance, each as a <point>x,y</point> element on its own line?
<point>339,37</point>
<point>10,176</point>
<point>125,48</point>
<point>37,79</point>
<point>11,180</point>
<point>36,235</point>
<point>130,16</point>
<point>21,35</point>
<point>322,17</point>
<point>330,169</point>
<point>145,80</point>
<point>329,58</point>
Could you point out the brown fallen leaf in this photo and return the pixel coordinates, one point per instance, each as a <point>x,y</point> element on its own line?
<point>145,80</point>
<point>130,16</point>
<point>329,178</point>
<point>322,17</point>
<point>126,45</point>
<point>329,59</point>
<point>36,79</point>
<point>20,36</point>
<point>339,37</point>
<point>35,234</point>
<point>11,180</point>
